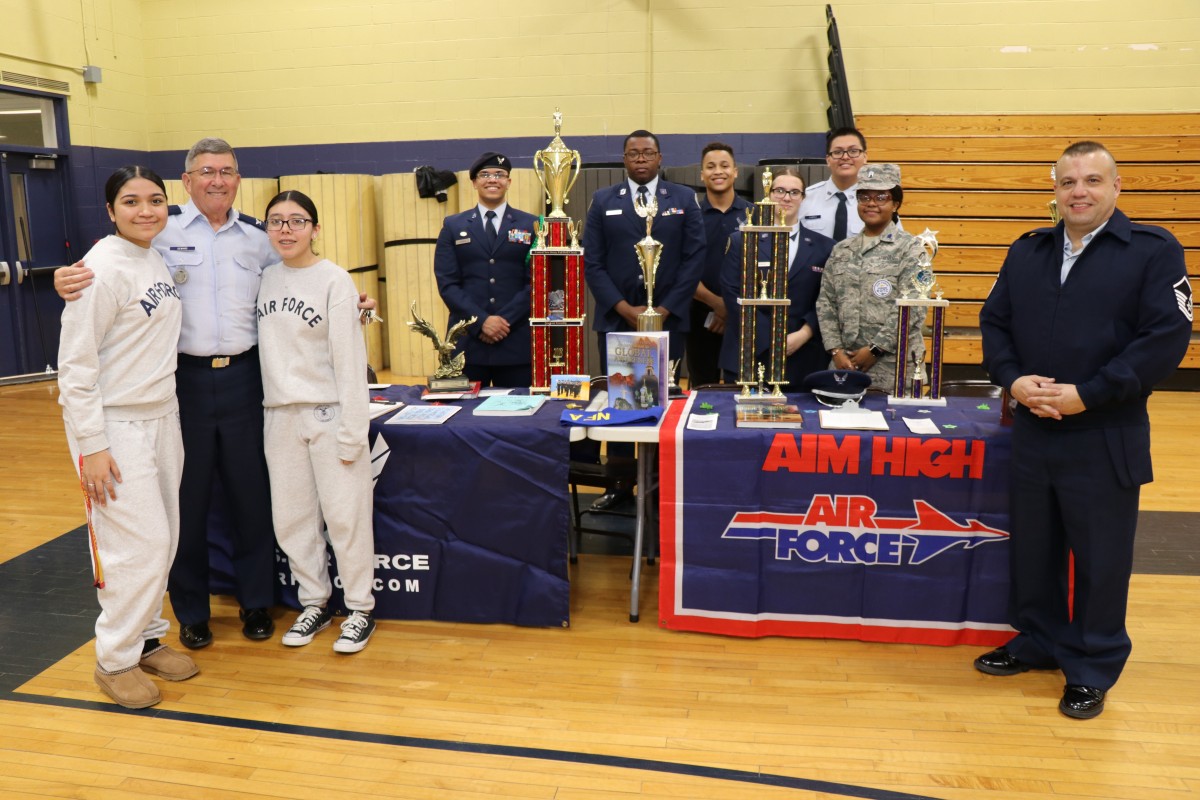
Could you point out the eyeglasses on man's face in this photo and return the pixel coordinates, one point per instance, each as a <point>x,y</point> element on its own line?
<point>491,176</point>
<point>640,155</point>
<point>295,223</point>
<point>880,198</point>
<point>208,173</point>
<point>853,152</point>
<point>780,192</point>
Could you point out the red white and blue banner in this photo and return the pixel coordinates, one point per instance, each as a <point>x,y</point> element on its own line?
<point>889,537</point>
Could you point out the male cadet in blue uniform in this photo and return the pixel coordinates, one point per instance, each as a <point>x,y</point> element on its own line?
<point>216,256</point>
<point>611,266</point>
<point>722,212</point>
<point>1084,319</point>
<point>481,270</point>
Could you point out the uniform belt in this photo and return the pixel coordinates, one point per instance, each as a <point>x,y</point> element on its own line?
<point>214,362</point>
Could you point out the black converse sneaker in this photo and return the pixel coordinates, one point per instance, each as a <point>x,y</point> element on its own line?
<point>312,620</point>
<point>356,631</point>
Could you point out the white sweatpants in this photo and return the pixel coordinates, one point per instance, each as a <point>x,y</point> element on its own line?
<point>309,482</point>
<point>136,536</point>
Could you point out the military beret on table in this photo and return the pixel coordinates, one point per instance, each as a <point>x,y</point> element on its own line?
<point>834,387</point>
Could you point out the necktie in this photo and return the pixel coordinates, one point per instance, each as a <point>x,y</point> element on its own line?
<point>489,228</point>
<point>839,218</point>
<point>643,195</point>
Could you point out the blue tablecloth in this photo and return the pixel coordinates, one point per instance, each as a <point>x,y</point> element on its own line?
<point>847,534</point>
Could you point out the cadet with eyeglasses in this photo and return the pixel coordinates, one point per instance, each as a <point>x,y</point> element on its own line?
<point>216,255</point>
<point>829,207</point>
<point>865,274</point>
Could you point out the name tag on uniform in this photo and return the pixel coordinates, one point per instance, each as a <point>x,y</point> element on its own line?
<point>613,212</point>
<point>184,249</point>
<point>813,216</point>
<point>463,241</point>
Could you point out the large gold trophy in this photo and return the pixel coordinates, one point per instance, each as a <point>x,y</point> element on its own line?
<point>556,308</point>
<point>915,299</point>
<point>649,253</point>
<point>765,241</point>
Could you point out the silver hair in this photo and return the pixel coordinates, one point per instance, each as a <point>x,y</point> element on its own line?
<point>211,145</point>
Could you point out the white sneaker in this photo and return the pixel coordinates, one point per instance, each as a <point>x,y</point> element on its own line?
<point>312,620</point>
<point>356,631</point>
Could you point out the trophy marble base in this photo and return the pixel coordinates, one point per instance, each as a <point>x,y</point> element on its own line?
<point>893,400</point>
<point>458,383</point>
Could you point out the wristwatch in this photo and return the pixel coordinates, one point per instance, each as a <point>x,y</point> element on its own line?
<point>877,351</point>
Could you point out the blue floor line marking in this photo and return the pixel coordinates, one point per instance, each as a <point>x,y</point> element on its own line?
<point>392,740</point>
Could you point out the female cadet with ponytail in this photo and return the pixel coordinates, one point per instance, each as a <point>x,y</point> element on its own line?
<point>117,388</point>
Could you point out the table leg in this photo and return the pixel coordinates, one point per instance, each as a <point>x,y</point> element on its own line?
<point>645,453</point>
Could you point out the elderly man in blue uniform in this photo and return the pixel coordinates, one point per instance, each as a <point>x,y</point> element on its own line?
<point>481,270</point>
<point>216,256</point>
<point>611,266</point>
<point>722,212</point>
<point>1084,319</point>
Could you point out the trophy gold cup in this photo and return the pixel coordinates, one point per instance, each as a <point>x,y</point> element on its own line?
<point>557,300</point>
<point>649,253</point>
<point>915,299</point>
<point>765,241</point>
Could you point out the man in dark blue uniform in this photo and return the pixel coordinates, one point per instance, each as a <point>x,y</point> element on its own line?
<point>1085,318</point>
<point>722,212</point>
<point>481,270</point>
<point>613,228</point>
<point>611,266</point>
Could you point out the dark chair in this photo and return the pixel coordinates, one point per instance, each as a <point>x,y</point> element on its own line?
<point>588,468</point>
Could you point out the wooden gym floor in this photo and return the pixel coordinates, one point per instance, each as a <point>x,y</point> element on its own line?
<point>599,711</point>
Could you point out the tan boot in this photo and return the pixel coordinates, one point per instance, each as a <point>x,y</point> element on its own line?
<point>130,688</point>
<point>168,664</point>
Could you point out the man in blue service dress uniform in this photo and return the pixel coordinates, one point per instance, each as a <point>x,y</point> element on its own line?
<point>480,263</point>
<point>611,266</point>
<point>1084,319</point>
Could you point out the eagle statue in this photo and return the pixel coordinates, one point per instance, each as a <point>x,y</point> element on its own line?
<point>449,364</point>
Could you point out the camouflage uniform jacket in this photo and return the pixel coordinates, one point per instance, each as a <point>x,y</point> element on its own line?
<point>857,305</point>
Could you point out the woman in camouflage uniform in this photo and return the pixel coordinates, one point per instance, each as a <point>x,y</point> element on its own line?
<point>863,278</point>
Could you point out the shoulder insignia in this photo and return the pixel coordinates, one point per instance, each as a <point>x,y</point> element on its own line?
<point>249,220</point>
<point>174,211</point>
<point>1153,230</point>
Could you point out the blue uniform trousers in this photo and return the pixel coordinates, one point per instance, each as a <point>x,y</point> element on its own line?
<point>221,416</point>
<point>1071,495</point>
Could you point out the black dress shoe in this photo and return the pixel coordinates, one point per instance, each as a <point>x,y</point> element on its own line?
<point>1081,702</point>
<point>1001,662</point>
<point>620,493</point>
<point>256,623</point>
<point>193,637</point>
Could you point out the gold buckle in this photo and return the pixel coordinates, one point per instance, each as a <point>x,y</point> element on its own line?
<point>220,361</point>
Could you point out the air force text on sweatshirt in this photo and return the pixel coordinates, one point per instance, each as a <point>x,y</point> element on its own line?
<point>119,340</point>
<point>311,347</point>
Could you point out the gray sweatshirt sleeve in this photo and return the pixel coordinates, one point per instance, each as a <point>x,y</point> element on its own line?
<point>348,353</point>
<point>85,322</point>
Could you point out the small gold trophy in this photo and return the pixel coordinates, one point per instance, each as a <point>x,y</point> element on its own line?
<point>914,299</point>
<point>763,300</point>
<point>557,168</point>
<point>448,377</point>
<point>649,252</point>
<point>1055,216</point>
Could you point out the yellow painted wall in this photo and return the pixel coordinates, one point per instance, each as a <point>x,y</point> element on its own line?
<point>330,71</point>
<point>55,39</point>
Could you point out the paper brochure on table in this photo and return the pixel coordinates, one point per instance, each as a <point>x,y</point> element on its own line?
<point>377,408</point>
<point>922,425</point>
<point>836,419</point>
<point>423,415</point>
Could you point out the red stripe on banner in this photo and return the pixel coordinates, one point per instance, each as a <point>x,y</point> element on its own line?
<point>832,630</point>
<point>670,472</point>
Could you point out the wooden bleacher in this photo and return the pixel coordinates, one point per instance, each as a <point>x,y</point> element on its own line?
<point>982,181</point>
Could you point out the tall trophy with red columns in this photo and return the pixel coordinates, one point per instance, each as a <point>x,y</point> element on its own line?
<point>557,300</point>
